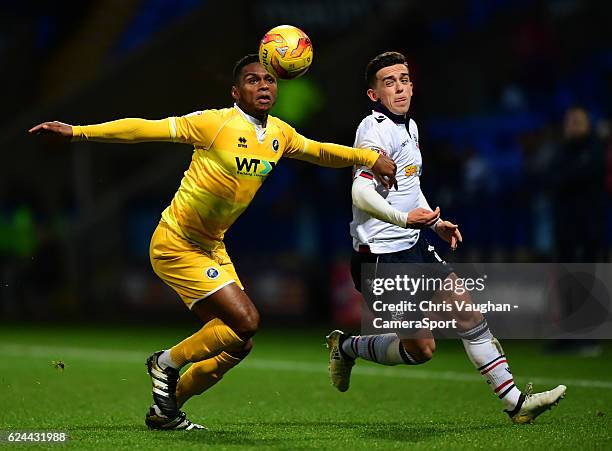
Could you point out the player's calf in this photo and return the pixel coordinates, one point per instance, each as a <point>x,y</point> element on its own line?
<point>388,349</point>
<point>489,358</point>
<point>202,375</point>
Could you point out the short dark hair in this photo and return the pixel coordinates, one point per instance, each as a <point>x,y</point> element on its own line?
<point>244,61</point>
<point>380,61</point>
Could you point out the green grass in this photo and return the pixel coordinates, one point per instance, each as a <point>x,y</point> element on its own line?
<point>280,397</point>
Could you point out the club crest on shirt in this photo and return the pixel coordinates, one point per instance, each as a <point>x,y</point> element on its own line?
<point>212,273</point>
<point>275,145</point>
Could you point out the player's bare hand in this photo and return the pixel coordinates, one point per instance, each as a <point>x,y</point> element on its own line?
<point>55,128</point>
<point>385,169</point>
<point>421,218</point>
<point>449,232</point>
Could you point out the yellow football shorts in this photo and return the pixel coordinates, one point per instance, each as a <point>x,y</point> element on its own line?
<point>191,271</point>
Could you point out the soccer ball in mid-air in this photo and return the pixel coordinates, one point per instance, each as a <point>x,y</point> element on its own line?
<point>285,52</point>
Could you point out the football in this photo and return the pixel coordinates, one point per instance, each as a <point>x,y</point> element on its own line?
<point>285,52</point>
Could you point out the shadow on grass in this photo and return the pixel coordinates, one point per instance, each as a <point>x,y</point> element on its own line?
<point>131,428</point>
<point>270,433</point>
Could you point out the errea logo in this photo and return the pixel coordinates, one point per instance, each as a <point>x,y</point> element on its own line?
<point>242,142</point>
<point>254,167</point>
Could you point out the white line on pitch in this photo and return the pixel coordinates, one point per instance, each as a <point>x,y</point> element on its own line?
<point>402,372</point>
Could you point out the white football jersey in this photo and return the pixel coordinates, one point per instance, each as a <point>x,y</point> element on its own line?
<point>387,132</point>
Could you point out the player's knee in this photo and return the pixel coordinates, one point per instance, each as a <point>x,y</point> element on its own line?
<point>420,350</point>
<point>424,353</point>
<point>428,351</point>
<point>248,324</point>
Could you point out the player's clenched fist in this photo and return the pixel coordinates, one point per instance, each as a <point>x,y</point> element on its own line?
<point>52,128</point>
<point>384,169</point>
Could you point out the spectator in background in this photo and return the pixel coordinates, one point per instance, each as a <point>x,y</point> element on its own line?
<point>578,191</point>
<point>539,149</point>
<point>579,205</point>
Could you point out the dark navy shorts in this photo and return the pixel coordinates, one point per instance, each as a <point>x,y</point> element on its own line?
<point>422,254</point>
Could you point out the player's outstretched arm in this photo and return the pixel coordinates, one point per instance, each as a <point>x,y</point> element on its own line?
<point>54,128</point>
<point>119,131</point>
<point>337,156</point>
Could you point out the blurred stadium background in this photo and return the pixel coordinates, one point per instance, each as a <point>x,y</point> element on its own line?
<point>493,81</point>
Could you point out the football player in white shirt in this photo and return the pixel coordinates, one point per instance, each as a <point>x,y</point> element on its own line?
<point>386,228</point>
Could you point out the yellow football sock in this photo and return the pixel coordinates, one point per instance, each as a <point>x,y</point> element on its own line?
<point>203,375</point>
<point>210,340</point>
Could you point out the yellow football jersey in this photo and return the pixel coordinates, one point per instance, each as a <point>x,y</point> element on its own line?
<point>229,165</point>
<point>233,155</point>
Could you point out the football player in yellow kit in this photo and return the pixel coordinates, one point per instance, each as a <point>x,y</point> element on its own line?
<point>234,151</point>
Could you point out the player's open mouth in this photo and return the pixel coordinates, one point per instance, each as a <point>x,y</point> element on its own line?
<point>264,99</point>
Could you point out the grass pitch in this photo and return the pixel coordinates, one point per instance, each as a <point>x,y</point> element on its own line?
<point>280,397</point>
